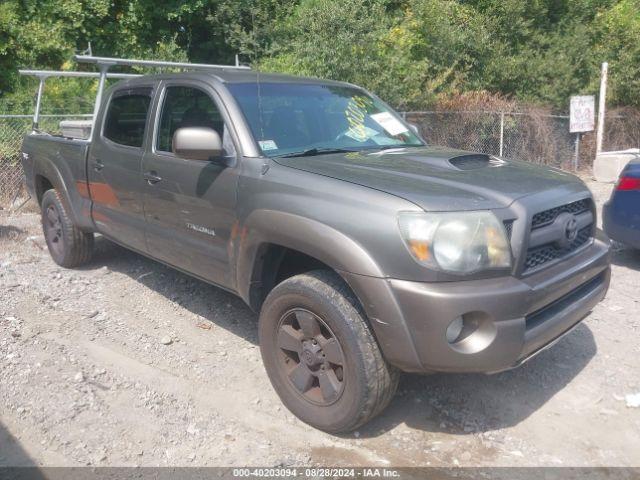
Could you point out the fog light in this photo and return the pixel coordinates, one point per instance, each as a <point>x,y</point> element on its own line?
<point>471,332</point>
<point>454,330</point>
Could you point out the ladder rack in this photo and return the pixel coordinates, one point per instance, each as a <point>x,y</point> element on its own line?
<point>104,64</point>
<point>43,75</point>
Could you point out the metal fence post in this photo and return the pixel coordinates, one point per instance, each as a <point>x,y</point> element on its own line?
<point>501,133</point>
<point>602,105</point>
<point>576,160</point>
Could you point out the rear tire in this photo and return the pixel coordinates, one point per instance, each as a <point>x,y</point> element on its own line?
<point>68,245</point>
<point>320,354</point>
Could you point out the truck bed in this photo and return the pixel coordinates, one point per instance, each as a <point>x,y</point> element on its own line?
<point>64,162</point>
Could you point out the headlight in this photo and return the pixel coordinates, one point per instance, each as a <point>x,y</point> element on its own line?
<point>458,242</point>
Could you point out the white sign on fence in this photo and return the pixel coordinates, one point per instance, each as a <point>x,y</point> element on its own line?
<point>582,116</point>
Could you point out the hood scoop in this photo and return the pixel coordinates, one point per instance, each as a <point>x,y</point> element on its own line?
<point>475,161</point>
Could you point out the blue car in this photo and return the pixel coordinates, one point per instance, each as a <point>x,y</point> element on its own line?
<point>621,214</point>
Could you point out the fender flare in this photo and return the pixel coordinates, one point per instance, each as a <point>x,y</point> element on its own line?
<point>301,234</point>
<point>47,168</point>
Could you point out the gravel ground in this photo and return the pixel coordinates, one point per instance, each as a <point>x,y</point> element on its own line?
<point>127,362</point>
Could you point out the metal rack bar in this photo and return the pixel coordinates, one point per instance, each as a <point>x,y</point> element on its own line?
<point>153,63</point>
<point>96,106</point>
<point>36,114</point>
<point>64,73</point>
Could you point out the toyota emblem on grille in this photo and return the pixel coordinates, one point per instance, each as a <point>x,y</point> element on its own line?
<point>571,229</point>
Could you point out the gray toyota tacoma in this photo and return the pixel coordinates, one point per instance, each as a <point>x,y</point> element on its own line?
<point>365,251</point>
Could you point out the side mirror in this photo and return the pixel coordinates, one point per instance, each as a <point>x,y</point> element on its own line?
<point>197,143</point>
<point>414,127</point>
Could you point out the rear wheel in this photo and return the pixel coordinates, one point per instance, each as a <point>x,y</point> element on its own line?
<point>320,355</point>
<point>68,245</point>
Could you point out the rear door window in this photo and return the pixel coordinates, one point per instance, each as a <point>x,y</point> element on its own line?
<point>126,118</point>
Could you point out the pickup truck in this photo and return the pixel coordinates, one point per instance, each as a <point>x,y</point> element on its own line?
<point>364,250</point>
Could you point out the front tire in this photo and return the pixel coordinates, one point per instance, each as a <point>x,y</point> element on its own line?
<point>68,245</point>
<point>320,354</point>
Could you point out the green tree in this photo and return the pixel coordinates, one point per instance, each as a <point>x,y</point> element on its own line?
<point>330,39</point>
<point>410,52</point>
<point>617,40</point>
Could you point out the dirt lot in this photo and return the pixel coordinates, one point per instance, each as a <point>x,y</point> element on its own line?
<point>85,378</point>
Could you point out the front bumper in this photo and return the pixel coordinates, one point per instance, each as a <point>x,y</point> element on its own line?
<point>514,318</point>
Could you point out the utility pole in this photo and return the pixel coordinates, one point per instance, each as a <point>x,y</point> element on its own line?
<point>602,107</point>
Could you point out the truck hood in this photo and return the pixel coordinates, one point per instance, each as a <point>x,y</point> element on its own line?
<point>436,178</point>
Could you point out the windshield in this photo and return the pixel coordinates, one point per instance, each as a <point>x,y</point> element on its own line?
<point>291,118</point>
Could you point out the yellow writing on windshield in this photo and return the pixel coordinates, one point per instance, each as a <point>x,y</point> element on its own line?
<point>356,112</point>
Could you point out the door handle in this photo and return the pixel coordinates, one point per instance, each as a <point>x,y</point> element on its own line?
<point>152,177</point>
<point>98,165</point>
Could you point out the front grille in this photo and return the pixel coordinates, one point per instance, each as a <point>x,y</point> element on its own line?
<point>543,223</point>
<point>548,216</point>
<point>546,253</point>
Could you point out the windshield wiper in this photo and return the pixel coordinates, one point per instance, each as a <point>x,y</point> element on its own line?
<point>316,151</point>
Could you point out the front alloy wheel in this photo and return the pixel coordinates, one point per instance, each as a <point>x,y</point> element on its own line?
<point>320,355</point>
<point>312,356</point>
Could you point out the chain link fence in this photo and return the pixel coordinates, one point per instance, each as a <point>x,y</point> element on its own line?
<point>529,137</point>
<point>532,137</point>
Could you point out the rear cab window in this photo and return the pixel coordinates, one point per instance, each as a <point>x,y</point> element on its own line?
<point>127,116</point>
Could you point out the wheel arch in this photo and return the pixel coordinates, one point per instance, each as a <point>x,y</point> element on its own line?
<point>42,184</point>
<point>271,240</point>
<point>47,175</point>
